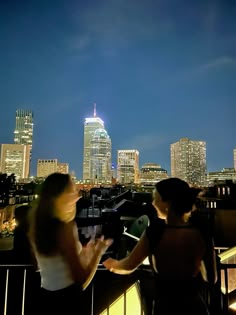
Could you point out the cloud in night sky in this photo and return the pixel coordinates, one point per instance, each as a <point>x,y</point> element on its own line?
<point>158,71</point>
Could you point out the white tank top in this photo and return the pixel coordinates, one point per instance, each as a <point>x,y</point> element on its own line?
<point>54,271</point>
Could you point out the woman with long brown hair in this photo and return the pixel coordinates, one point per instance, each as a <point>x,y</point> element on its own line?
<point>66,267</point>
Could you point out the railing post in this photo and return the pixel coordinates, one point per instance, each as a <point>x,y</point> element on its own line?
<point>92,297</point>
<point>23,294</point>
<point>125,302</point>
<point>226,291</point>
<point>6,293</point>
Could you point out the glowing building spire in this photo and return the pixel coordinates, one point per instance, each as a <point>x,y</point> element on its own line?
<point>94,110</point>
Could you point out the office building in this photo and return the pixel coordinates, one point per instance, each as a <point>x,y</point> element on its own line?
<point>188,161</point>
<point>91,124</point>
<point>49,166</point>
<point>225,174</point>
<point>151,173</point>
<point>128,166</point>
<point>23,133</point>
<point>46,167</point>
<point>100,158</point>
<point>15,159</point>
<point>63,168</point>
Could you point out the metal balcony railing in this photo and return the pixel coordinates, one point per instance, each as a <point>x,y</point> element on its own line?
<point>20,285</point>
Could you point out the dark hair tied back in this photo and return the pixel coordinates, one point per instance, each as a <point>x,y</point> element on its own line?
<point>178,193</point>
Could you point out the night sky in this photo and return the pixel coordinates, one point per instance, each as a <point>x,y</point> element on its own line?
<point>157,70</point>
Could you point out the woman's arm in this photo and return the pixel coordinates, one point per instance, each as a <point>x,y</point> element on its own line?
<point>91,255</point>
<point>128,264</point>
<point>82,261</point>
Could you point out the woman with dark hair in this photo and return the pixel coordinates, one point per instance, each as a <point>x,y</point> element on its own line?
<point>66,267</point>
<point>180,248</point>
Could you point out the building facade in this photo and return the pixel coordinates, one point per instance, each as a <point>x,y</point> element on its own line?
<point>15,159</point>
<point>100,157</point>
<point>23,133</point>
<point>151,173</point>
<point>96,157</point>
<point>46,167</point>
<point>63,168</point>
<point>128,166</point>
<point>49,166</point>
<point>224,175</point>
<point>188,161</point>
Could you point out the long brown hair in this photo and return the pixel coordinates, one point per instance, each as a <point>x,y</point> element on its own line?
<point>45,224</point>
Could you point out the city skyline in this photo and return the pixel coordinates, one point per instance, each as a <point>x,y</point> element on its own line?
<point>170,77</point>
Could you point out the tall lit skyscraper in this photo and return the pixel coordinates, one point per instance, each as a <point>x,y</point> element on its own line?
<point>23,133</point>
<point>188,161</point>
<point>100,157</point>
<point>91,124</point>
<point>128,166</point>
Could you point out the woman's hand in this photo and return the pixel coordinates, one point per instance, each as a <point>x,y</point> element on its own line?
<point>101,244</point>
<point>110,264</point>
<point>130,263</point>
<point>97,246</point>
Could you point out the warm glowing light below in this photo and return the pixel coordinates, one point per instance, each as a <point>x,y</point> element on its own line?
<point>146,261</point>
<point>233,306</point>
<point>133,305</point>
<point>228,257</point>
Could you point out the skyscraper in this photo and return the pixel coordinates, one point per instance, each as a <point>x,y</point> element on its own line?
<point>128,166</point>
<point>15,159</point>
<point>188,161</point>
<point>91,124</point>
<point>100,157</point>
<point>23,133</point>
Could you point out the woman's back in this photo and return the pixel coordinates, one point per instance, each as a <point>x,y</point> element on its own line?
<point>177,243</point>
<point>179,252</point>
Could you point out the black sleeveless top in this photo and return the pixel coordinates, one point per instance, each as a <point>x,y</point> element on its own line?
<point>168,285</point>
